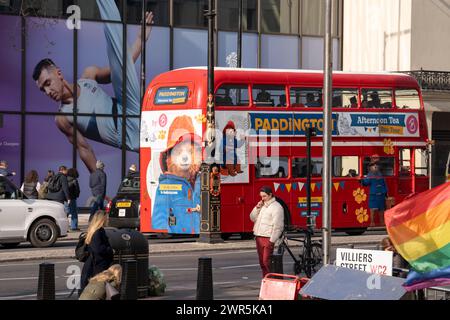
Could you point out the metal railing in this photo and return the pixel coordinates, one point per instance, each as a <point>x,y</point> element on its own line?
<point>431,80</point>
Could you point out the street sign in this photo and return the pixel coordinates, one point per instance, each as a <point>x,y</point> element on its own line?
<point>371,261</point>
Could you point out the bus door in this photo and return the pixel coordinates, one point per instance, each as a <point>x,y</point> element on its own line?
<point>421,176</point>
<point>405,181</point>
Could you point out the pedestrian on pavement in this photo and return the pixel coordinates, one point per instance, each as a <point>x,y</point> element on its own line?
<point>43,190</point>
<point>397,260</point>
<point>30,187</point>
<point>268,216</point>
<point>97,182</point>
<point>74,192</point>
<point>4,169</point>
<point>96,288</point>
<point>378,190</point>
<point>100,251</point>
<point>58,188</point>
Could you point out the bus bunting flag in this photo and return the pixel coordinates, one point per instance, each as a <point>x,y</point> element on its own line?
<point>419,228</point>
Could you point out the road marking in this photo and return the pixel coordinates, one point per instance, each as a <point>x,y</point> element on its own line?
<point>34,264</point>
<point>174,255</point>
<point>32,296</point>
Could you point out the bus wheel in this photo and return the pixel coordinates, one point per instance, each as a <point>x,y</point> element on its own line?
<point>247,235</point>
<point>355,231</point>
<point>225,236</point>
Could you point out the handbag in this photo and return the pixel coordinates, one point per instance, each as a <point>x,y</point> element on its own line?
<point>111,292</point>
<point>81,250</point>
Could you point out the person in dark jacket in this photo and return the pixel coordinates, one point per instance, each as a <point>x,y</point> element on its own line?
<point>31,185</point>
<point>74,192</point>
<point>4,169</point>
<point>97,182</point>
<point>100,251</point>
<point>61,193</point>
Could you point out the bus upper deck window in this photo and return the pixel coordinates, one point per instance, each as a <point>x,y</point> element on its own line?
<point>407,99</point>
<point>376,98</point>
<point>232,95</point>
<point>306,97</point>
<point>269,96</point>
<point>345,98</point>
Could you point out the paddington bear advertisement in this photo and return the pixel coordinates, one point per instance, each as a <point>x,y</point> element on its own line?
<point>174,141</point>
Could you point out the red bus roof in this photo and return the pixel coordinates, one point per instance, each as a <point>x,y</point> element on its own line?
<point>288,76</point>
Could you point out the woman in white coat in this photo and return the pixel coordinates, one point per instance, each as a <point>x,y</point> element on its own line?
<point>268,216</point>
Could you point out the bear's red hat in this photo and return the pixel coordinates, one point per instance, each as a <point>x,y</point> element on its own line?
<point>181,130</point>
<point>230,125</point>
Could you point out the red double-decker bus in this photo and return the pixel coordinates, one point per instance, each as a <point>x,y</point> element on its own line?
<point>265,113</point>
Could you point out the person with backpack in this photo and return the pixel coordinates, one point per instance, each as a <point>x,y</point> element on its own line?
<point>100,253</point>
<point>74,192</point>
<point>268,216</point>
<point>43,190</point>
<point>31,185</point>
<point>97,182</point>
<point>58,188</point>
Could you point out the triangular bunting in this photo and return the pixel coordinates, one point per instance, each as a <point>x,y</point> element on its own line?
<point>288,187</point>
<point>313,186</point>
<point>319,185</point>
<point>336,186</point>
<point>300,186</point>
<point>342,184</point>
<point>282,186</point>
<point>276,186</point>
<point>294,186</point>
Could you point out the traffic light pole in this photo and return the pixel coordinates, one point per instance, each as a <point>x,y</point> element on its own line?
<point>210,188</point>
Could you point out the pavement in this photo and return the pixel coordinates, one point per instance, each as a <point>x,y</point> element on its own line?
<point>165,247</point>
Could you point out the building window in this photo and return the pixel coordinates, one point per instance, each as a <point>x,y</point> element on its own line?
<point>279,16</point>
<point>190,13</point>
<point>345,166</point>
<point>313,18</point>
<point>228,14</point>
<point>160,9</point>
<point>407,99</point>
<point>232,95</point>
<point>269,96</point>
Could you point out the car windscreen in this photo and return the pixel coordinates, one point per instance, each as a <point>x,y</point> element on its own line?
<point>130,185</point>
<point>7,189</point>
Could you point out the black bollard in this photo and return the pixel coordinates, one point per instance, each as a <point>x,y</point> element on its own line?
<point>46,282</point>
<point>128,286</point>
<point>205,279</point>
<point>276,263</point>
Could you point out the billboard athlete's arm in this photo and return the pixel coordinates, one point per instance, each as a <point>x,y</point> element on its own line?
<point>103,75</point>
<point>84,149</point>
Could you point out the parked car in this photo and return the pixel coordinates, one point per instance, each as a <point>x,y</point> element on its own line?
<point>41,222</point>
<point>125,206</point>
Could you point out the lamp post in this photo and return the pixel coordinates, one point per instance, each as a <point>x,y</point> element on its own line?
<point>210,200</point>
<point>327,132</point>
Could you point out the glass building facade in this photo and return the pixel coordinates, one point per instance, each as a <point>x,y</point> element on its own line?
<point>285,34</point>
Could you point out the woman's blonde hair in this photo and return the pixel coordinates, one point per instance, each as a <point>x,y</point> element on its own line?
<point>98,221</point>
<point>114,273</point>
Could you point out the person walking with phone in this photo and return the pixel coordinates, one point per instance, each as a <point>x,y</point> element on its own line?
<point>268,216</point>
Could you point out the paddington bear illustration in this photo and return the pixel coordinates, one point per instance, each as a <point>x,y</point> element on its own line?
<point>230,145</point>
<point>177,200</point>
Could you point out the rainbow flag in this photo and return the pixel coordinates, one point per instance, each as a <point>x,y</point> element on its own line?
<point>419,228</point>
